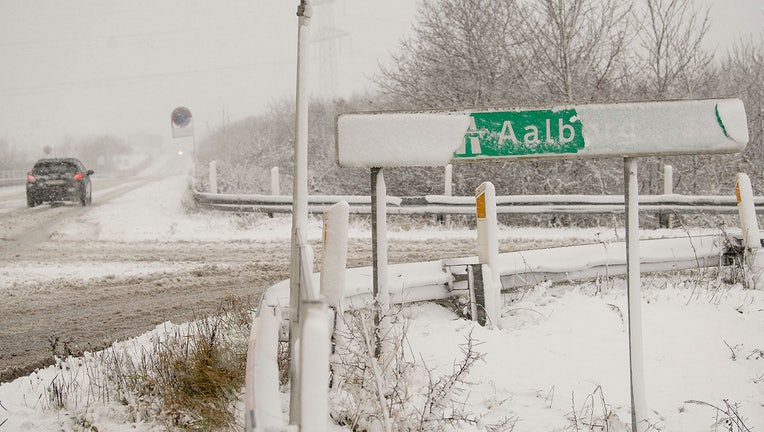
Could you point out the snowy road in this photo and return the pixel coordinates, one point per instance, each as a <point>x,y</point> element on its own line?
<point>88,276</point>
<point>136,258</point>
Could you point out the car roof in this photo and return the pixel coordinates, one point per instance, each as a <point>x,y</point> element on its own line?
<point>58,160</point>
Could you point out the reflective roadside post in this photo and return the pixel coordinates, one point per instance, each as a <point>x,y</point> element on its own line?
<point>213,177</point>
<point>488,250</point>
<point>749,224</point>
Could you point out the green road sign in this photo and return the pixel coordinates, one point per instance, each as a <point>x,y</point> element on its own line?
<point>522,133</point>
<point>437,138</point>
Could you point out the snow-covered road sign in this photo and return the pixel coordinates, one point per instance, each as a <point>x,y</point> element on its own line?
<point>389,139</point>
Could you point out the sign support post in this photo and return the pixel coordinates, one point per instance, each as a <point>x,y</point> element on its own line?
<point>634,296</point>
<point>300,202</point>
<point>380,290</point>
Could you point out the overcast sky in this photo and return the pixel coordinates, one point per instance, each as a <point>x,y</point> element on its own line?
<point>81,67</point>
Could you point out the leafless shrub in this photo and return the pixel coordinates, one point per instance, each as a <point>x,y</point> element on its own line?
<point>386,392</point>
<point>728,417</point>
<point>594,415</point>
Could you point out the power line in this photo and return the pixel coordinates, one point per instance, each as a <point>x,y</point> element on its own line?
<point>158,76</point>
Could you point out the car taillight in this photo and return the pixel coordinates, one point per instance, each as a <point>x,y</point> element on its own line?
<point>78,176</point>
<point>30,178</point>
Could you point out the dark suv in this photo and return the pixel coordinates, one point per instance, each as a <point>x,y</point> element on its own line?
<point>54,180</point>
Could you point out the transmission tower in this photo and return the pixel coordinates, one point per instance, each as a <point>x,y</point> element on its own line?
<point>328,37</point>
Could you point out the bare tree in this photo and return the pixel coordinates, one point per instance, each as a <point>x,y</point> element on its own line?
<point>671,38</point>
<point>742,75</point>
<point>463,53</point>
<point>576,48</point>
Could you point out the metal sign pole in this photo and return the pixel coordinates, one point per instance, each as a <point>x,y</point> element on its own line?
<point>379,257</point>
<point>634,293</point>
<point>299,202</point>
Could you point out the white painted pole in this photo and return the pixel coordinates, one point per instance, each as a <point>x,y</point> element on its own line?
<point>379,255</point>
<point>213,178</point>
<point>315,349</point>
<point>196,157</point>
<point>299,198</point>
<point>488,250</point>
<point>749,225</point>
<point>747,212</point>
<point>668,179</point>
<point>275,189</point>
<point>334,259</point>
<point>668,189</point>
<point>448,190</point>
<point>639,413</point>
<point>333,278</point>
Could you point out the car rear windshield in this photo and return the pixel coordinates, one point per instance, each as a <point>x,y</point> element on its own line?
<point>57,167</point>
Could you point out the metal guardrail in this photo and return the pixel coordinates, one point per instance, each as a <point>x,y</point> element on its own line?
<point>12,178</point>
<point>514,204</point>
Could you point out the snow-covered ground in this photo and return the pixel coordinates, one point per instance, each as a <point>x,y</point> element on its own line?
<point>562,352</point>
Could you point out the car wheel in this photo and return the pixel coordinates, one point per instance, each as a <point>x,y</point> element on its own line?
<point>31,201</point>
<point>83,199</point>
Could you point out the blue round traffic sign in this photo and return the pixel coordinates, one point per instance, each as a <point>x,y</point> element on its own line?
<point>181,117</point>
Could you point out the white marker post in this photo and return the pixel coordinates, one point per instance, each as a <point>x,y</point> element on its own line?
<point>213,178</point>
<point>333,274</point>
<point>488,250</point>
<point>667,217</point>
<point>749,224</point>
<point>275,189</point>
<point>334,259</point>
<point>448,188</point>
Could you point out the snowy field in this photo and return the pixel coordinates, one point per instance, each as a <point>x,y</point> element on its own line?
<point>562,353</point>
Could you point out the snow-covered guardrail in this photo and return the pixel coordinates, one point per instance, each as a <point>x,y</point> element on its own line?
<point>455,205</point>
<point>432,280</point>
<point>12,178</point>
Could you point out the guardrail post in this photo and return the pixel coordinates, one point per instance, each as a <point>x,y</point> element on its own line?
<point>488,250</point>
<point>749,224</point>
<point>666,217</point>
<point>477,293</point>
<point>213,178</point>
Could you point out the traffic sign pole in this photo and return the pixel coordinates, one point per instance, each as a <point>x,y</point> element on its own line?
<point>634,297</point>
<point>300,200</point>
